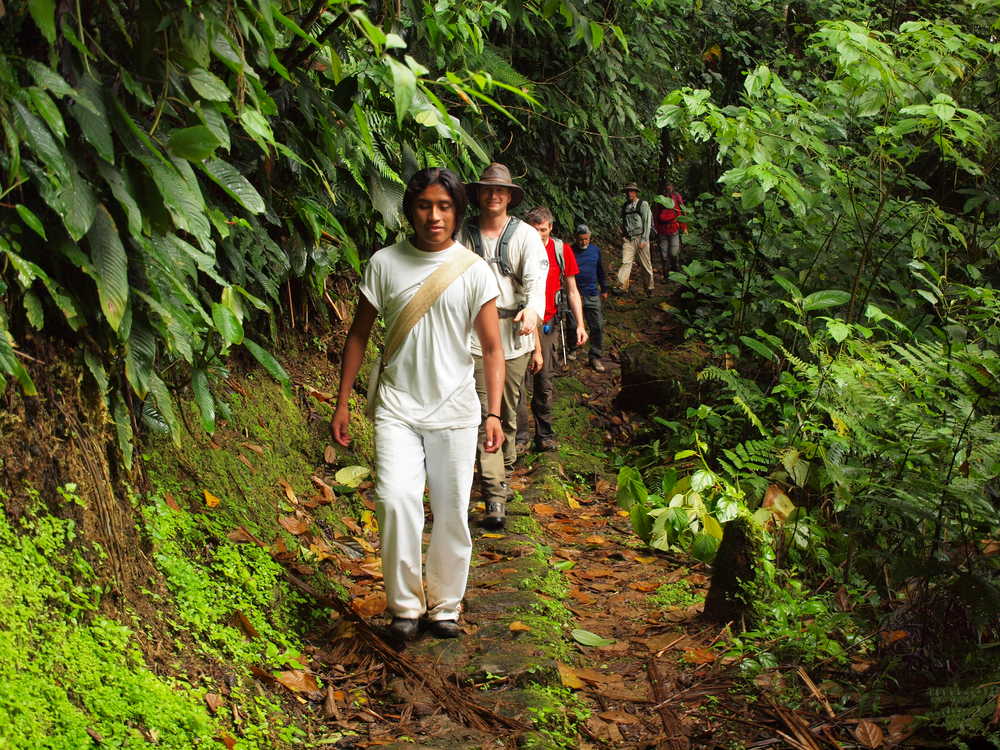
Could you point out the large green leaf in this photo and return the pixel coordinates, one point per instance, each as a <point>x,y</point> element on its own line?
<point>49,79</point>
<point>77,203</point>
<point>165,405</point>
<point>91,114</point>
<point>234,184</point>
<point>42,143</point>
<point>587,638</point>
<point>10,365</point>
<point>404,85</point>
<point>48,111</point>
<point>29,218</point>
<point>196,143</point>
<point>121,187</point>
<point>203,399</point>
<point>270,364</point>
<point>227,324</point>
<point>824,299</point>
<point>123,429</point>
<point>208,85</point>
<point>111,265</point>
<point>43,12</point>
<point>140,353</point>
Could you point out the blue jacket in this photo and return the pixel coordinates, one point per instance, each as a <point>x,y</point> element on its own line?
<point>591,280</point>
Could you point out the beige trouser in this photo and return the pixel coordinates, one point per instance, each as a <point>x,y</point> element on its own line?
<point>630,248</point>
<point>495,468</point>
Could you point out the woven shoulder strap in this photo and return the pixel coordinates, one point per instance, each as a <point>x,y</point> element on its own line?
<point>426,296</point>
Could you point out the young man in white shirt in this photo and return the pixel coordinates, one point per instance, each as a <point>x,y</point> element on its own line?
<point>427,413</point>
<point>515,253</point>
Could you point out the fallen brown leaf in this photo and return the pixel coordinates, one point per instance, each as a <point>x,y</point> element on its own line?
<point>330,708</point>
<point>568,676</point>
<point>297,680</point>
<point>519,627</point>
<point>371,605</point>
<point>289,492</point>
<point>211,500</point>
<point>699,656</point>
<point>246,462</point>
<point>543,509</point>
<point>596,539</point>
<point>171,503</point>
<point>891,636</point>
<point>330,454</point>
<point>644,586</point>
<point>213,701</point>
<point>226,739</point>
<point>293,524</point>
<point>869,735</point>
<point>244,624</point>
<point>259,450</point>
<point>239,535</point>
<point>327,491</point>
<point>901,725</point>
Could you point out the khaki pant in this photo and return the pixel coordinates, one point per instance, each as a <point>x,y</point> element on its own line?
<point>630,248</point>
<point>542,390</point>
<point>495,468</point>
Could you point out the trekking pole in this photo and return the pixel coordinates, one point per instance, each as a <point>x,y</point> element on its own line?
<point>562,337</point>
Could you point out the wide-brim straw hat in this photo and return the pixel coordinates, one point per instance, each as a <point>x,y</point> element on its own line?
<point>630,186</point>
<point>495,175</point>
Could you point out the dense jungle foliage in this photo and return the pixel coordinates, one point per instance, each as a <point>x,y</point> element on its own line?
<point>180,176</point>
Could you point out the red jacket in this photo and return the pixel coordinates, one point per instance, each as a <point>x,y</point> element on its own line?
<point>665,219</point>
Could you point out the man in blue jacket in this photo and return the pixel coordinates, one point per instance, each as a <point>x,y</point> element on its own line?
<point>593,288</point>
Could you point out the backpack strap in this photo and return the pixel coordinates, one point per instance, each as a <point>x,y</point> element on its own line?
<point>475,237</point>
<point>503,253</point>
<point>560,250</point>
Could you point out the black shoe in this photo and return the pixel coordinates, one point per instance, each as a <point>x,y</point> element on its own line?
<point>444,628</point>
<point>404,629</point>
<point>545,444</point>
<point>496,514</point>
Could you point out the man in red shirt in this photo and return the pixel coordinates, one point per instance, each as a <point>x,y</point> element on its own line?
<point>668,229</point>
<point>562,265</point>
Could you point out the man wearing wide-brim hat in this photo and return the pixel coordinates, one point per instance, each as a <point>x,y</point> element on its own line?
<point>514,251</point>
<point>637,219</point>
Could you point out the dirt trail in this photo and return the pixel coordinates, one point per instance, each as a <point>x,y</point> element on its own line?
<point>567,615</point>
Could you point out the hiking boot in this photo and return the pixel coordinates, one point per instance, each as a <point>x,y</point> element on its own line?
<point>546,443</point>
<point>404,629</point>
<point>444,628</point>
<point>571,356</point>
<point>598,365</point>
<point>496,514</point>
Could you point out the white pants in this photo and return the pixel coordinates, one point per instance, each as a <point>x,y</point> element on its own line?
<point>406,458</point>
<point>632,247</point>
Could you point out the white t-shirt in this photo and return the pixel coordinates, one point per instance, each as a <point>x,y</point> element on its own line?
<point>429,382</point>
<point>525,288</point>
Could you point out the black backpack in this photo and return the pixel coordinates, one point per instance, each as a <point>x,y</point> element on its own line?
<point>503,256</point>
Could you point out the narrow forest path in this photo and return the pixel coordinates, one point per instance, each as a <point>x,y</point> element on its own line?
<point>572,628</point>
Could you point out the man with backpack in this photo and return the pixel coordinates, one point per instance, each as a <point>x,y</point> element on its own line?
<point>561,295</point>
<point>668,229</point>
<point>636,223</point>
<point>515,254</point>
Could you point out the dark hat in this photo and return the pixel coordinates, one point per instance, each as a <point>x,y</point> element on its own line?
<point>495,175</point>
<point>630,186</point>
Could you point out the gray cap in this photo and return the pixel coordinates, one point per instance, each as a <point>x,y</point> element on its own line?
<point>582,229</point>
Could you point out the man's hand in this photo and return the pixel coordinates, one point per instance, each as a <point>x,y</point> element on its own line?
<point>528,319</point>
<point>537,361</point>
<point>494,435</point>
<point>339,425</point>
<point>581,335</point>
<point>604,295</point>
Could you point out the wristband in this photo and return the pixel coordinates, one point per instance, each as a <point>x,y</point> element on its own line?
<point>493,415</point>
